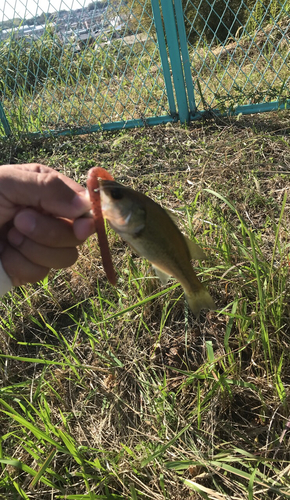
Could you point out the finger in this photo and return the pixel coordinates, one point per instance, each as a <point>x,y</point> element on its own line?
<point>20,269</point>
<point>44,169</point>
<point>44,190</point>
<point>44,229</point>
<point>84,227</point>
<point>42,255</point>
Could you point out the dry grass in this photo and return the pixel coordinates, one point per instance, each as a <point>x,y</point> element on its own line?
<point>134,398</point>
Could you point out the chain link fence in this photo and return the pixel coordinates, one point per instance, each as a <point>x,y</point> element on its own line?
<point>239,52</point>
<point>75,67</point>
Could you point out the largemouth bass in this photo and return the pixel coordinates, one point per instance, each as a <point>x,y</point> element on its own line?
<point>152,234</point>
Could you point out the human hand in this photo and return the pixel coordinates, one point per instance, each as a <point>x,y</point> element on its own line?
<point>40,221</point>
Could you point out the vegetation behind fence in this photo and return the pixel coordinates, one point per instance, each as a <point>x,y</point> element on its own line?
<point>100,66</point>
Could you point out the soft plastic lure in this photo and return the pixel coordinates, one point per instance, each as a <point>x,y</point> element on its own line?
<point>94,175</point>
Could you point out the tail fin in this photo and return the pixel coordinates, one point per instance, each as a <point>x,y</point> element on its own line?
<point>199,300</point>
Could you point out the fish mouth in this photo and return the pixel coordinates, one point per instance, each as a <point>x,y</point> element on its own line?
<point>110,195</point>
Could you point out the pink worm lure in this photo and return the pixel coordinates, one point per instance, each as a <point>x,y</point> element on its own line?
<point>94,175</point>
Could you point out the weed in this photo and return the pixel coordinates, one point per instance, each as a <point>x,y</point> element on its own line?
<point>119,392</point>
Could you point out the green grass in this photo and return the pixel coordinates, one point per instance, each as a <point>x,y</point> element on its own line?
<point>119,392</point>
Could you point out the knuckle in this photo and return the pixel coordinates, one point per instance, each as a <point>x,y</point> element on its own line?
<point>40,168</point>
<point>50,179</point>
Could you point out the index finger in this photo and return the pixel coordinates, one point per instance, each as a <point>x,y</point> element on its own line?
<point>44,169</point>
<point>43,188</point>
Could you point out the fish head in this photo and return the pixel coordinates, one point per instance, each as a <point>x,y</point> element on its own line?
<point>122,207</point>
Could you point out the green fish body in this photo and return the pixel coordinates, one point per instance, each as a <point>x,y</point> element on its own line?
<point>152,234</point>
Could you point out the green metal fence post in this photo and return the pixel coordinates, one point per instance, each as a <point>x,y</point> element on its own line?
<point>163,56</point>
<point>175,59</point>
<point>4,121</point>
<point>185,54</point>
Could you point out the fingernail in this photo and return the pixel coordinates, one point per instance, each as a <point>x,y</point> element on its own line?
<point>25,222</point>
<point>15,238</point>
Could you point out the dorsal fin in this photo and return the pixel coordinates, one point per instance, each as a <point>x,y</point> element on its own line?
<point>195,251</point>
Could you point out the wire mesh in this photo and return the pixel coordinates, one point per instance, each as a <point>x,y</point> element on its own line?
<point>71,65</point>
<point>239,51</point>
<point>78,67</point>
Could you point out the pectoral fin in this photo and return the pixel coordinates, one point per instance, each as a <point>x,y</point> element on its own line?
<point>196,253</point>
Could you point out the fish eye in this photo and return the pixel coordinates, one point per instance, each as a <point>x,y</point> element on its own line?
<point>116,194</point>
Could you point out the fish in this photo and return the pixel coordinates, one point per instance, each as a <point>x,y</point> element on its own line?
<point>152,233</point>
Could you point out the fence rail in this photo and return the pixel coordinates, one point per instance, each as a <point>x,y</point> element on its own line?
<point>115,64</point>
